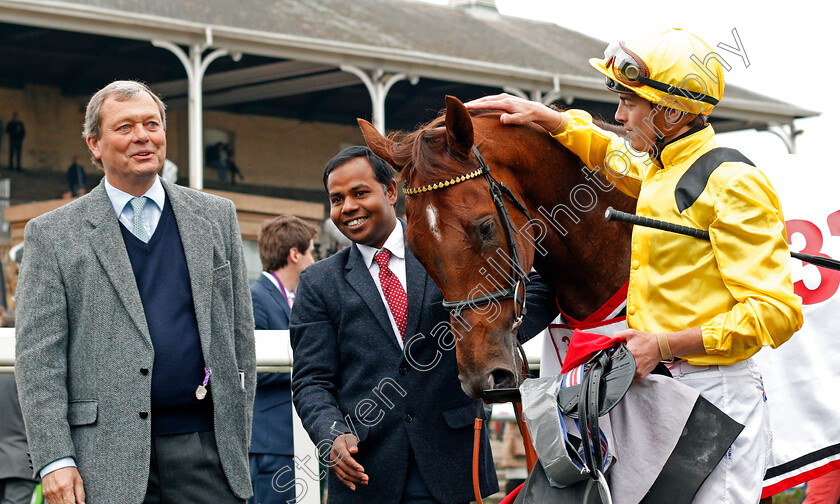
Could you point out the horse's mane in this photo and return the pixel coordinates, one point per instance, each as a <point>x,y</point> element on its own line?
<point>418,152</point>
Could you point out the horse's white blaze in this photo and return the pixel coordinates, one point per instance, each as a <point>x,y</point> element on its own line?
<point>431,214</point>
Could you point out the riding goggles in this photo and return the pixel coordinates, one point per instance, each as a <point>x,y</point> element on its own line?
<point>630,71</point>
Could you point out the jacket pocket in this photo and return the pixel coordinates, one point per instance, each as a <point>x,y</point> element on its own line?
<point>462,415</point>
<point>82,412</point>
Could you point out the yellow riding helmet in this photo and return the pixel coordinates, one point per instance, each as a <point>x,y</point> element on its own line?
<point>674,68</point>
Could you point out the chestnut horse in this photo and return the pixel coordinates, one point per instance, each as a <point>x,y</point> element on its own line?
<point>457,232</point>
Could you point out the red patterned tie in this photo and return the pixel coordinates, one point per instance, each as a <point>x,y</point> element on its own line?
<point>393,290</point>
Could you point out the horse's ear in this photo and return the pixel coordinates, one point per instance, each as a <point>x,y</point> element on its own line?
<point>459,127</point>
<point>380,145</point>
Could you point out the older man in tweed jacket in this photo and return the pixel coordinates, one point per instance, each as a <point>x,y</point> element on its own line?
<point>135,345</point>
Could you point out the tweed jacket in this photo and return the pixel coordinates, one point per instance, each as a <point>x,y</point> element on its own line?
<point>84,354</point>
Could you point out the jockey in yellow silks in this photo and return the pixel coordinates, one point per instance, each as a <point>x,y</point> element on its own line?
<point>711,305</point>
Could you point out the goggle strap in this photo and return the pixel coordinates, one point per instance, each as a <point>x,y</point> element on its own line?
<point>618,87</point>
<point>677,91</point>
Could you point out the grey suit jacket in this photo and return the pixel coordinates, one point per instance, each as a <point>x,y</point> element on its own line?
<point>82,340</point>
<point>13,448</point>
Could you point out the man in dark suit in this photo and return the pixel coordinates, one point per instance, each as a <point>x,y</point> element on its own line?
<point>286,247</point>
<point>375,378</point>
<point>135,358</point>
<point>16,482</point>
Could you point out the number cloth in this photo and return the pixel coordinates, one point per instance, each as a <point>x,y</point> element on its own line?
<point>737,286</point>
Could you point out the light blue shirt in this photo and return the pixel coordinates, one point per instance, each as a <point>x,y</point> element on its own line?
<point>150,216</point>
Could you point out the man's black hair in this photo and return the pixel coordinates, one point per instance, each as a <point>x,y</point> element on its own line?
<point>382,171</point>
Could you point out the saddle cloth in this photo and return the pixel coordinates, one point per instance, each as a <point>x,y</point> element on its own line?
<point>643,429</point>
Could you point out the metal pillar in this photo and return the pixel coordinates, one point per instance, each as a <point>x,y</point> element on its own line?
<point>788,134</point>
<point>196,64</point>
<point>378,83</point>
<point>537,94</point>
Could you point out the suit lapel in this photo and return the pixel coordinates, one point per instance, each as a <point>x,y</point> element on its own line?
<point>358,276</point>
<point>276,295</point>
<point>416,279</point>
<point>197,235</point>
<point>108,244</point>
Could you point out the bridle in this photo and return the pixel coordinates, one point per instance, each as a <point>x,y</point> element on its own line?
<point>498,191</point>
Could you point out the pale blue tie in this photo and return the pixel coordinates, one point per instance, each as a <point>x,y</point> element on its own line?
<point>139,230</point>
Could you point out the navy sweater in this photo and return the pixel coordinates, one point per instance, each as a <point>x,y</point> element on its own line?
<point>160,269</point>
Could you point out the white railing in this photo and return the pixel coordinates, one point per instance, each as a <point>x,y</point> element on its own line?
<point>274,355</point>
<point>274,351</point>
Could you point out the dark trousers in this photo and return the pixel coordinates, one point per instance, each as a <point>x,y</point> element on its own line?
<point>416,491</point>
<point>273,478</point>
<point>186,468</point>
<point>16,490</point>
<point>15,149</point>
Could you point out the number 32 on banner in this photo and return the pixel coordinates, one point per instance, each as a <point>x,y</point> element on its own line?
<point>829,279</point>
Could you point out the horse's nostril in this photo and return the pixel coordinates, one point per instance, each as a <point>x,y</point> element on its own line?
<point>502,378</point>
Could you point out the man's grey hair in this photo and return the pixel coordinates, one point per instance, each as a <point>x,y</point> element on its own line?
<point>123,90</point>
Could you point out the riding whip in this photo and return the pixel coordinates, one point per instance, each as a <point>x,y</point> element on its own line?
<point>617,215</point>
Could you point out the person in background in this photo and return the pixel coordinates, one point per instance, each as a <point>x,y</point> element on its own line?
<point>232,166</point>
<point>222,162</point>
<point>76,178</point>
<point>16,132</point>
<point>16,481</point>
<point>286,247</point>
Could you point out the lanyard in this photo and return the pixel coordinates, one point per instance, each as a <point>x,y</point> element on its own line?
<point>282,287</point>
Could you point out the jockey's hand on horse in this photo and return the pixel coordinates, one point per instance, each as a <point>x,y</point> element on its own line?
<point>346,468</point>
<point>520,111</point>
<point>645,347</point>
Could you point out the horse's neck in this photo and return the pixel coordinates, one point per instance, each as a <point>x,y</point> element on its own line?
<point>586,259</point>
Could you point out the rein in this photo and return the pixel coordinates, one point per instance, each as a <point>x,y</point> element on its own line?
<point>498,191</point>
<point>530,452</point>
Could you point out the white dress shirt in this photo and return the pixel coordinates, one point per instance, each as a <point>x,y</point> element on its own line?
<point>395,243</point>
<point>290,295</point>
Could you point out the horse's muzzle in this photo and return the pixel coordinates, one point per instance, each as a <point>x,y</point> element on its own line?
<point>498,378</point>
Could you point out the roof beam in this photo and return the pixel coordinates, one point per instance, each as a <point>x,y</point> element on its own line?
<point>103,21</point>
<point>277,89</point>
<point>244,76</point>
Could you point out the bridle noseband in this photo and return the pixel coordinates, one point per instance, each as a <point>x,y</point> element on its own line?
<point>498,191</point>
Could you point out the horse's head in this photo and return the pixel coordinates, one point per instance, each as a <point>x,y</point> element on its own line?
<point>459,235</point>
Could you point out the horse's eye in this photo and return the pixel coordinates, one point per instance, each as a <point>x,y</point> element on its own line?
<point>486,228</point>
